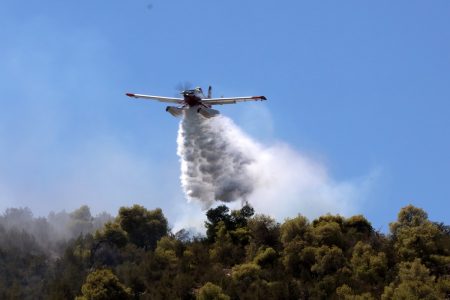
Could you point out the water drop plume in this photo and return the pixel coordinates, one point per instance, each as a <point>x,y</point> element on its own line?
<point>214,163</point>
<point>219,162</point>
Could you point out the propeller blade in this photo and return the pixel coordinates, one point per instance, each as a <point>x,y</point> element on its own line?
<point>182,86</point>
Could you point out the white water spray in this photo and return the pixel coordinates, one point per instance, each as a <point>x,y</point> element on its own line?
<point>221,163</point>
<point>214,166</point>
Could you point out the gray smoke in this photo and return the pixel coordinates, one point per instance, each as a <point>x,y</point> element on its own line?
<point>51,232</point>
<point>214,166</point>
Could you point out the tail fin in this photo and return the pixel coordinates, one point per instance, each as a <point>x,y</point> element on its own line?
<point>209,92</point>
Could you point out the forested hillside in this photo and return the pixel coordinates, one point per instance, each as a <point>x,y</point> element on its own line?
<point>243,256</point>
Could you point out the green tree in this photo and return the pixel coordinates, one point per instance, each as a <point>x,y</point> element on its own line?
<point>344,292</point>
<point>240,217</point>
<point>297,257</point>
<point>356,229</point>
<point>217,215</point>
<point>113,234</point>
<point>247,282</point>
<point>328,260</point>
<point>210,291</point>
<point>413,282</point>
<point>224,251</point>
<point>246,273</point>
<point>413,234</point>
<point>266,257</point>
<point>144,227</point>
<point>102,284</point>
<point>265,231</point>
<point>328,230</point>
<point>369,268</point>
<point>168,250</point>
<point>232,221</point>
<point>296,228</point>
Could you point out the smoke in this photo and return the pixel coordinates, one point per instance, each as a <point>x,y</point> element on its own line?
<point>220,163</point>
<point>52,232</point>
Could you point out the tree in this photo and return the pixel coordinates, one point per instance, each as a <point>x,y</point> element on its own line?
<point>265,231</point>
<point>240,217</point>
<point>357,228</point>
<point>104,285</point>
<point>328,260</point>
<point>247,282</point>
<point>295,228</point>
<point>19,218</point>
<point>214,216</point>
<point>346,293</point>
<point>210,291</point>
<point>81,221</point>
<point>166,250</point>
<point>250,257</point>
<point>108,242</point>
<point>369,268</point>
<point>232,221</point>
<point>413,282</point>
<point>327,230</point>
<point>246,273</point>
<point>101,219</point>
<point>414,235</point>
<point>266,257</point>
<point>144,227</point>
<point>23,264</point>
<point>223,250</point>
<point>113,234</point>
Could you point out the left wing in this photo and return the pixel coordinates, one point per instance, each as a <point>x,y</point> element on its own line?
<point>157,98</point>
<point>220,101</point>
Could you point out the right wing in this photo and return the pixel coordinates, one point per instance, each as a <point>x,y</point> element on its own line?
<point>220,101</point>
<point>157,98</point>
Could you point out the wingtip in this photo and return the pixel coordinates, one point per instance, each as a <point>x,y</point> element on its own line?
<point>130,95</point>
<point>261,98</point>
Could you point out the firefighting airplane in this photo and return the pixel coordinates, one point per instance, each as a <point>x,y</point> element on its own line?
<point>196,99</point>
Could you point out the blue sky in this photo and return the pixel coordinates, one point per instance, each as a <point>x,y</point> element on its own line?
<point>361,87</point>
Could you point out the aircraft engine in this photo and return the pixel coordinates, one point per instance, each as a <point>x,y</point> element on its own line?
<point>208,112</point>
<point>174,111</point>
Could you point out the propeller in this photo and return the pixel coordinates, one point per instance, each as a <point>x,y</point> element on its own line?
<point>209,92</point>
<point>183,86</point>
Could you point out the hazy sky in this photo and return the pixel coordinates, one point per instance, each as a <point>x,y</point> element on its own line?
<point>361,88</point>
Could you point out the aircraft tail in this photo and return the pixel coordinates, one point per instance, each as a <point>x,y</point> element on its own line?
<point>209,92</point>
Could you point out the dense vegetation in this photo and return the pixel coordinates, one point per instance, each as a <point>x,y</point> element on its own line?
<point>242,256</point>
